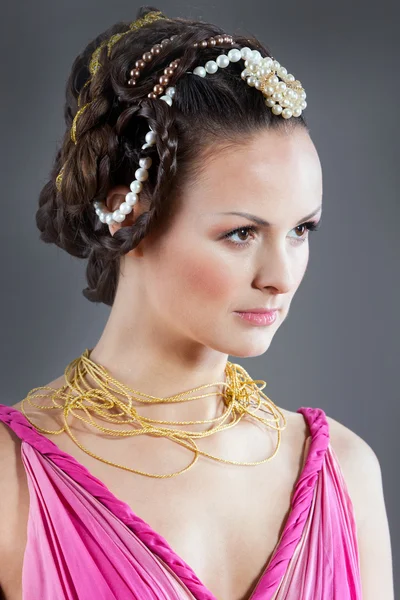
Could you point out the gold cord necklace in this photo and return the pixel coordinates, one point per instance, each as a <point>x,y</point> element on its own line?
<point>241,396</point>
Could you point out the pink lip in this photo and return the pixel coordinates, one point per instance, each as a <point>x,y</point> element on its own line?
<point>259,317</point>
<point>258,310</point>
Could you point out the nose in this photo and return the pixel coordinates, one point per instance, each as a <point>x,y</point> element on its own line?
<point>279,271</point>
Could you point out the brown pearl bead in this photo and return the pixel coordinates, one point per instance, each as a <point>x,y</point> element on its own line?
<point>164,42</point>
<point>195,45</point>
<point>132,82</point>
<point>135,73</point>
<point>151,95</point>
<point>204,44</point>
<point>169,71</point>
<point>174,63</point>
<point>156,49</point>
<point>147,57</point>
<point>220,39</point>
<point>164,80</point>
<point>212,41</point>
<point>158,89</point>
<point>140,64</point>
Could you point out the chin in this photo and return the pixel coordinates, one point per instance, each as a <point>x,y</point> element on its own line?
<point>250,350</point>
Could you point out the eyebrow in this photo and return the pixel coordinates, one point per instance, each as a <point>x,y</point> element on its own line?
<point>264,223</point>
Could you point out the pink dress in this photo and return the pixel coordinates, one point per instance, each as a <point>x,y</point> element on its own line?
<point>85,543</point>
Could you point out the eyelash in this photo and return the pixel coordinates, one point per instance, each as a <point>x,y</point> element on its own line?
<point>310,226</point>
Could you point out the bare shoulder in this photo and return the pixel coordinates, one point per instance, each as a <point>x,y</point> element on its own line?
<point>39,416</point>
<point>363,477</point>
<point>359,464</point>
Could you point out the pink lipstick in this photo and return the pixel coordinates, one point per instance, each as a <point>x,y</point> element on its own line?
<point>259,318</point>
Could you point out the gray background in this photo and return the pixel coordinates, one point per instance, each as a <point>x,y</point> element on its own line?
<point>339,349</point>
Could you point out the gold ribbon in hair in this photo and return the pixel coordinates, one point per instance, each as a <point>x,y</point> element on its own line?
<point>95,64</point>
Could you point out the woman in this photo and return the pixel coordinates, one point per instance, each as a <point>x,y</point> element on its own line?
<point>192,195</point>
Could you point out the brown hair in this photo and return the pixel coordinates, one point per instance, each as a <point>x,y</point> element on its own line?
<point>220,109</point>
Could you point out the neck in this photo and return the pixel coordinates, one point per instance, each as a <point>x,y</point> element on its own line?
<point>163,370</point>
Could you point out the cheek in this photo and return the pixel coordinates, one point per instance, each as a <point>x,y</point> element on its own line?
<point>206,278</point>
<point>299,270</point>
<point>203,275</point>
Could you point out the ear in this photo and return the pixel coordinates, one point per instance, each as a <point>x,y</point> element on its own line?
<point>115,197</point>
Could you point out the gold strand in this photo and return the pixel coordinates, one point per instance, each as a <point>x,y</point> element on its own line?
<point>241,396</point>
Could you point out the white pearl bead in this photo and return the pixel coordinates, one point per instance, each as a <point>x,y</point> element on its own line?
<point>141,174</point>
<point>119,218</point>
<point>277,109</point>
<point>222,61</point>
<point>234,55</point>
<point>131,198</point>
<point>244,74</point>
<point>109,219</point>
<point>166,99</point>
<point>211,66</point>
<point>246,52</point>
<point>277,64</point>
<point>146,146</point>
<point>125,209</point>
<point>290,77</point>
<point>251,81</point>
<point>150,138</point>
<point>269,102</point>
<point>258,84</point>
<point>170,91</point>
<point>102,217</point>
<point>136,186</point>
<point>115,214</point>
<point>200,71</point>
<point>297,112</point>
<point>287,113</point>
<point>256,57</point>
<point>145,162</point>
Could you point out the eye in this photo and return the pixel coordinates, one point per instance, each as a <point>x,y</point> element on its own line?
<point>309,226</point>
<point>240,230</point>
<point>244,231</point>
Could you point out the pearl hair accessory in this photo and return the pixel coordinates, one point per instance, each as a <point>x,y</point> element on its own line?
<point>285,98</point>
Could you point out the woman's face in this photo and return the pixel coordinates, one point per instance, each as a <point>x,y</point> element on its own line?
<point>197,274</point>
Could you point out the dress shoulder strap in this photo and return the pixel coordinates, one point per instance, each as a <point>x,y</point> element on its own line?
<point>316,420</point>
<point>319,432</point>
<point>26,432</point>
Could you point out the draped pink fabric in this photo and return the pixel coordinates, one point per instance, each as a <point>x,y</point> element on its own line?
<point>85,543</point>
